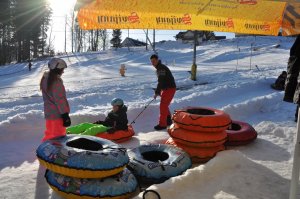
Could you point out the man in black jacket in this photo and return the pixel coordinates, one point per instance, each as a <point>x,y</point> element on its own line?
<point>166,89</point>
<point>292,84</point>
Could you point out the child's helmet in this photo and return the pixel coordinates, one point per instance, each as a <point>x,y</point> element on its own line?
<point>117,101</point>
<point>57,63</point>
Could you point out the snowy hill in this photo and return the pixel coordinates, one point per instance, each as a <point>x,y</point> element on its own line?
<point>225,81</point>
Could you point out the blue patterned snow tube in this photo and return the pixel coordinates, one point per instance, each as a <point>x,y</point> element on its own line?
<point>158,162</point>
<point>118,186</point>
<point>82,156</point>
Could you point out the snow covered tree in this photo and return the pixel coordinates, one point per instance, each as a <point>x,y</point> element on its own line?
<point>116,40</point>
<point>209,35</point>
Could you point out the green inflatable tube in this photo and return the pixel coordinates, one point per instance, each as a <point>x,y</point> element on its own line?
<point>87,129</point>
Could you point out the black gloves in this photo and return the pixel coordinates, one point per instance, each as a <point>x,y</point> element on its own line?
<point>98,122</point>
<point>66,119</point>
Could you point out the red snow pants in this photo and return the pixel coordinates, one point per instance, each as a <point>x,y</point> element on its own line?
<point>54,128</point>
<point>166,98</point>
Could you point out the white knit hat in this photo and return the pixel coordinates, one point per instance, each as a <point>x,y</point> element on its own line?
<point>57,63</point>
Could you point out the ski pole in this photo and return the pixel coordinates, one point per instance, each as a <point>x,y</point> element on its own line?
<point>133,122</point>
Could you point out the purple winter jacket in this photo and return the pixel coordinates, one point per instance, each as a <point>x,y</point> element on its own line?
<point>55,100</point>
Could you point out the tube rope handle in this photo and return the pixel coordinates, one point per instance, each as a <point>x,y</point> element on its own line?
<point>151,191</point>
<point>133,122</point>
<point>161,165</point>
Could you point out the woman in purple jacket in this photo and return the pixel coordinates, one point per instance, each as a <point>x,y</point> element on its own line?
<point>56,106</point>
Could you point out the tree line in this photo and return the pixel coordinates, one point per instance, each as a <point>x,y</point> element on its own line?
<point>23,29</point>
<point>23,32</point>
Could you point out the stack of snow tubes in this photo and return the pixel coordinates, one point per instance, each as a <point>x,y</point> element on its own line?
<point>199,131</point>
<point>86,167</point>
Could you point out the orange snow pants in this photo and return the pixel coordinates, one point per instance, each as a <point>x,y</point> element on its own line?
<point>54,128</point>
<point>166,98</point>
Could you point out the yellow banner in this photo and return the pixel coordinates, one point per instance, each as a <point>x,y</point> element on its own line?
<point>240,16</point>
<point>291,19</point>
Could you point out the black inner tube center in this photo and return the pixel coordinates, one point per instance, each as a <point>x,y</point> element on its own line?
<point>234,127</point>
<point>155,156</point>
<point>85,144</point>
<point>200,111</point>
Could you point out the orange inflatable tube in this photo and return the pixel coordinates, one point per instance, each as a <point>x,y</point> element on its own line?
<point>197,138</point>
<point>198,154</point>
<point>118,136</point>
<point>202,119</point>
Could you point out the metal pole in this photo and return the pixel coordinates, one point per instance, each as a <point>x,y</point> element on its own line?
<point>296,163</point>
<point>251,56</point>
<point>73,32</point>
<point>66,34</point>
<point>43,38</point>
<point>150,42</point>
<point>154,40</point>
<point>194,66</point>
<point>128,40</point>
<point>195,47</point>
<point>238,56</point>
<point>147,40</point>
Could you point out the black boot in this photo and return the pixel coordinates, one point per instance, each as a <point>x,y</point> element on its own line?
<point>169,120</point>
<point>157,127</point>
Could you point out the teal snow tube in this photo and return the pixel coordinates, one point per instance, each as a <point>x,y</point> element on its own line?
<point>82,156</point>
<point>158,162</point>
<point>118,186</point>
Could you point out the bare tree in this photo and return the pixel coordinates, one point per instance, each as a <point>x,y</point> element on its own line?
<point>104,38</point>
<point>50,47</point>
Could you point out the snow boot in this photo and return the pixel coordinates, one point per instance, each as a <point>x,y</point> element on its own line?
<point>158,127</point>
<point>169,120</point>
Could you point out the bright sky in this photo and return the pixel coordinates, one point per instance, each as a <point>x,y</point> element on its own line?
<point>61,8</point>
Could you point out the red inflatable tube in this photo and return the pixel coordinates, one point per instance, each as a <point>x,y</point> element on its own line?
<point>198,154</point>
<point>118,136</point>
<point>197,138</point>
<point>240,133</point>
<point>202,119</point>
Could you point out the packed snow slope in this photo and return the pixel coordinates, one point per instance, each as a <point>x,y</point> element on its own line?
<point>230,77</point>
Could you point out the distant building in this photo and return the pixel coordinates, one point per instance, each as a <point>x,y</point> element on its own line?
<point>188,36</point>
<point>129,42</point>
<point>246,35</point>
<point>220,37</point>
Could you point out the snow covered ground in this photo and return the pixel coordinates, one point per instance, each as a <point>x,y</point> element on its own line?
<point>225,81</point>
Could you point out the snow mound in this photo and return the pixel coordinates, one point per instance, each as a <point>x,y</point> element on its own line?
<point>229,175</point>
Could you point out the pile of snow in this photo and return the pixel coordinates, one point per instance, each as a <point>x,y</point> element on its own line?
<point>229,175</point>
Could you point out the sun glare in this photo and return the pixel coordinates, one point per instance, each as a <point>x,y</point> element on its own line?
<point>62,7</point>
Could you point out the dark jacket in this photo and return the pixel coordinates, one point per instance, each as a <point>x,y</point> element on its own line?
<point>280,82</point>
<point>165,78</point>
<point>117,120</point>
<point>295,49</point>
<point>292,84</point>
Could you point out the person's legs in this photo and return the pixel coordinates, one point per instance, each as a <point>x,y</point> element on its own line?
<point>80,128</point>
<point>296,114</point>
<point>166,98</point>
<point>54,128</point>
